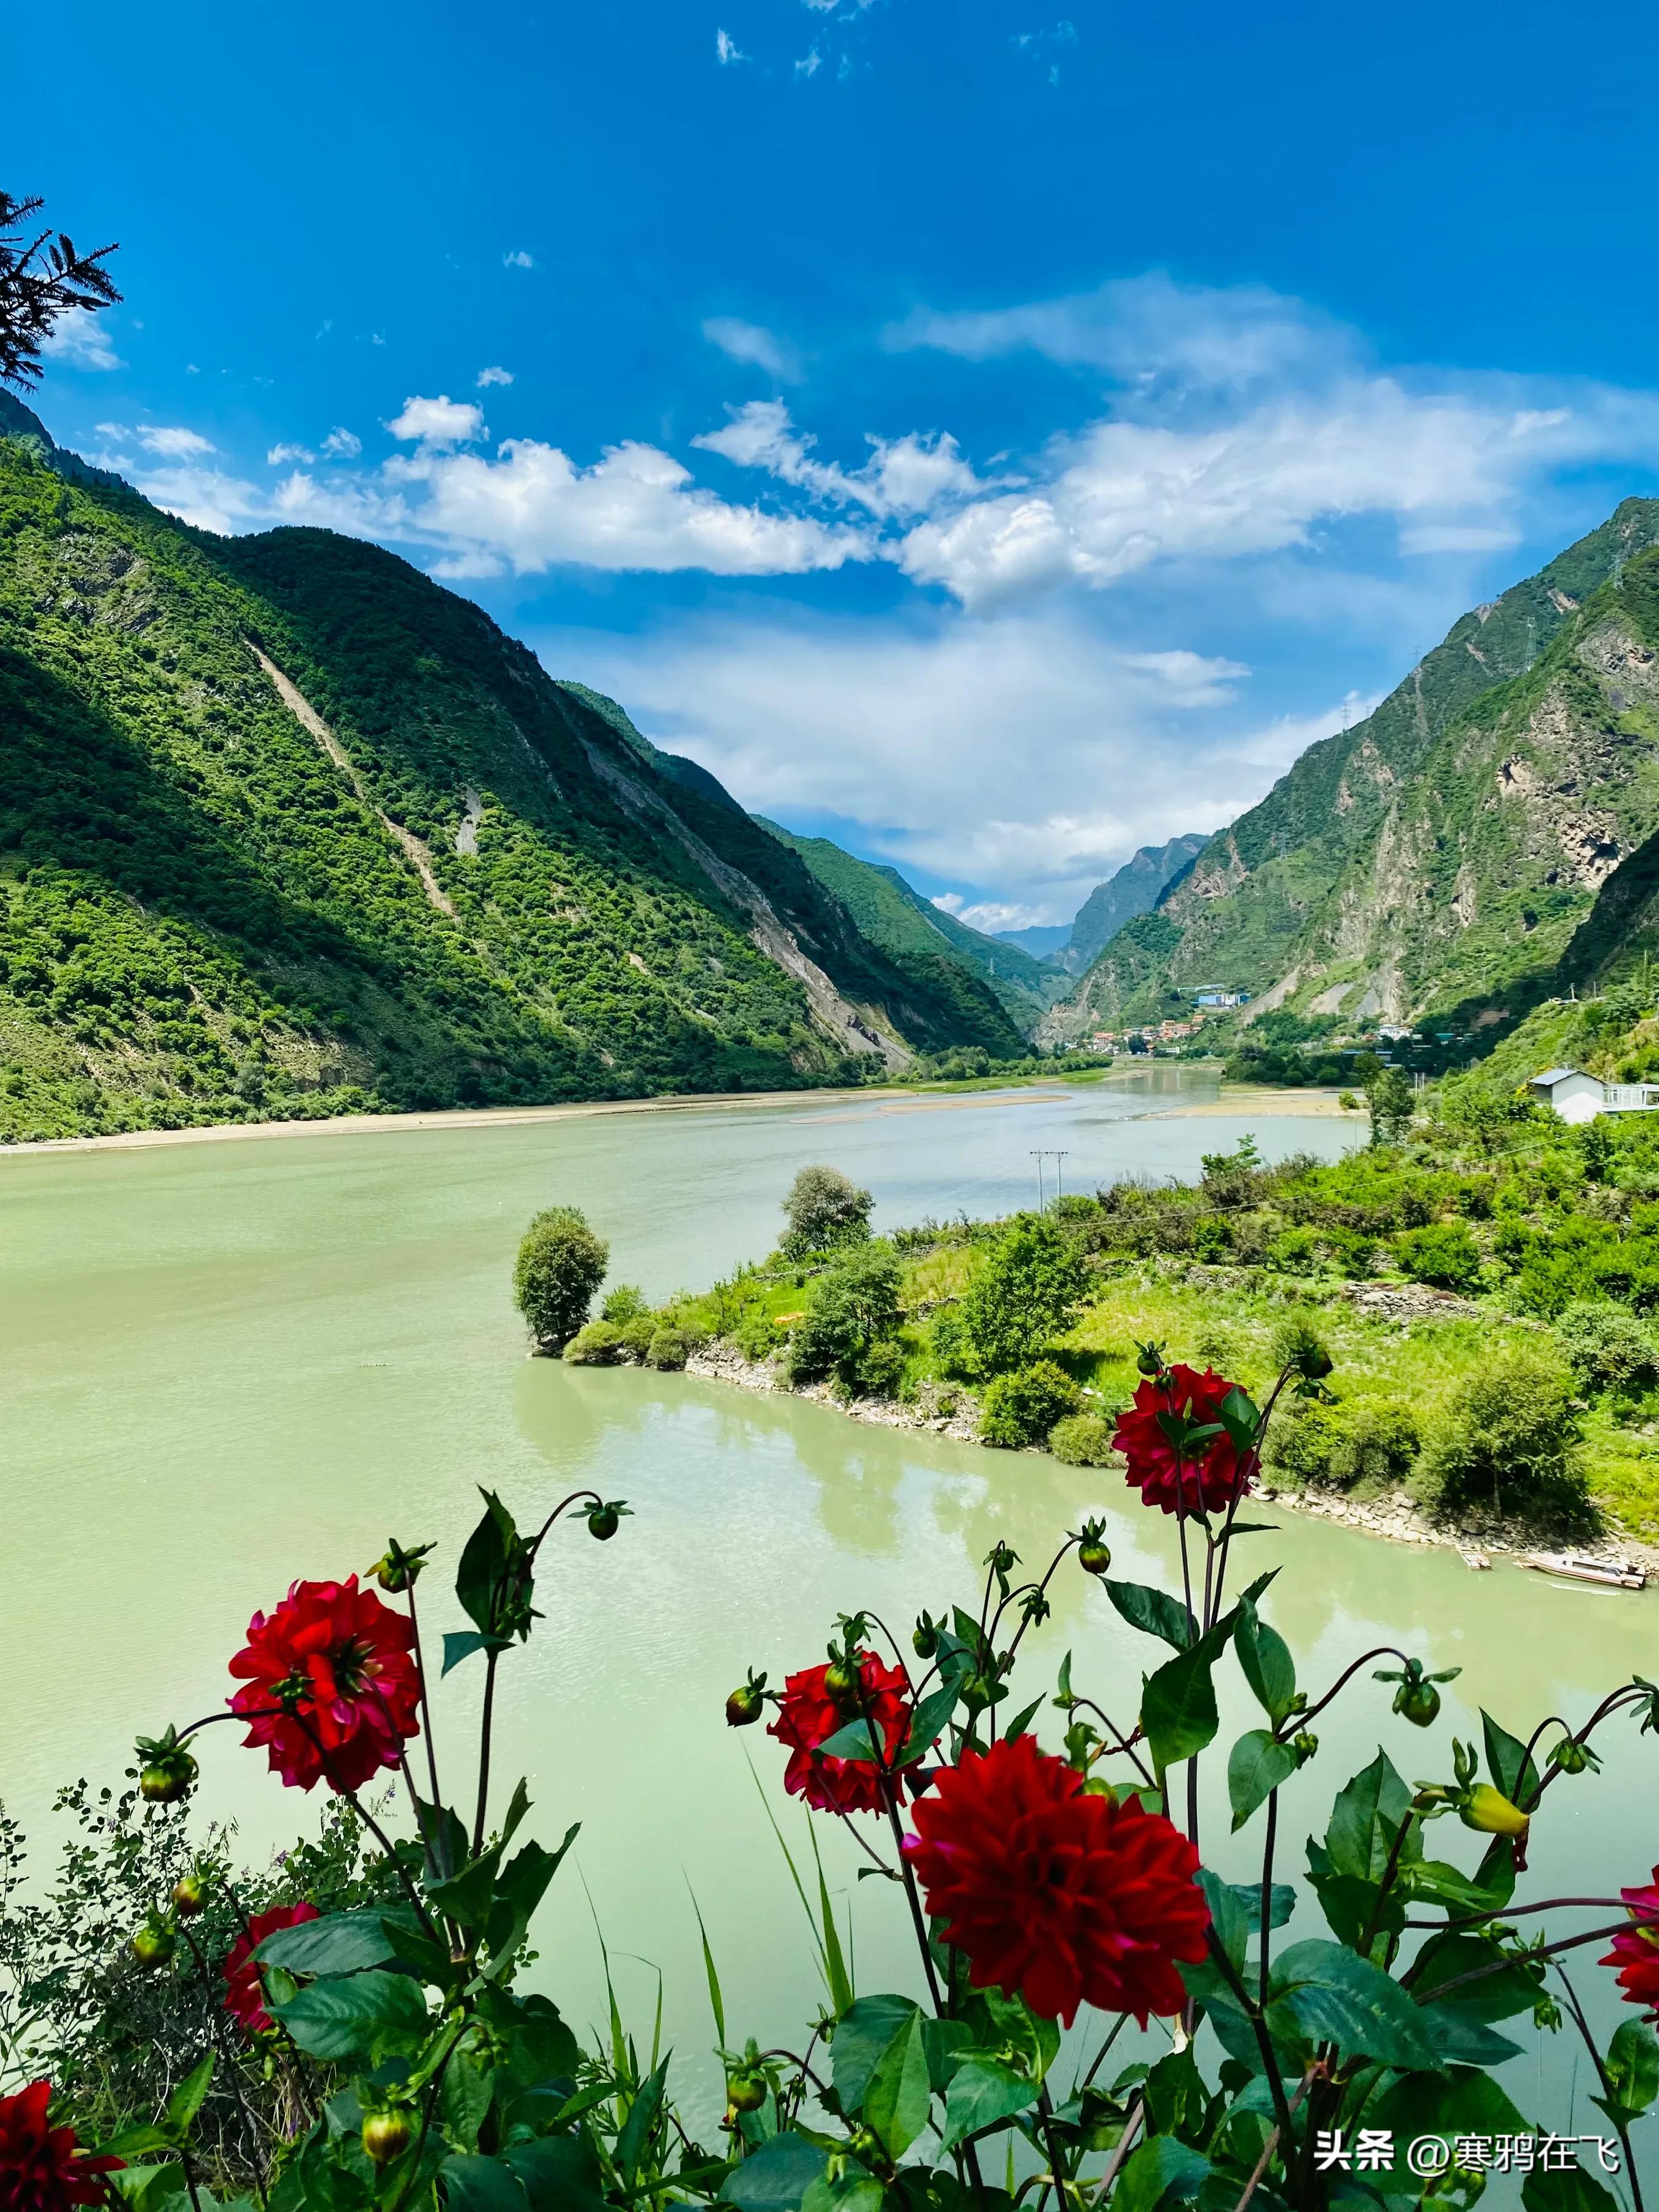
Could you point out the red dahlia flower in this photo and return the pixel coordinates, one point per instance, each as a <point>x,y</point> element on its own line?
<point>809,1715</point>
<point>245,1993</point>
<point>1208,1482</point>
<point>42,2169</point>
<point>1066,1899</point>
<point>1636,1951</point>
<point>338,1660</point>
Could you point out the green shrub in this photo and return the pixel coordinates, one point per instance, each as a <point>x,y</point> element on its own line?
<point>1443,1254</point>
<point>1022,1404</point>
<point>668,1348</point>
<point>626,1302</point>
<point>560,1264</point>
<point>638,1332</point>
<point>1083,1440</point>
<point>851,1307</point>
<point>1025,1293</point>
<point>756,1335</point>
<point>1374,1447</point>
<point>879,1372</point>
<point>948,1341</point>
<point>596,1344</point>
<point>1606,1347</point>
<point>1296,1251</point>
<point>824,1209</point>
<point>1510,1440</point>
<point>1301,1440</point>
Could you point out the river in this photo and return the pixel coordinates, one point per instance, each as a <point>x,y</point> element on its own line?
<point>231,1364</point>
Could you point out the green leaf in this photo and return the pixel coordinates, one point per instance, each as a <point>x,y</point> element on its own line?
<point>1265,1658</point>
<point>1227,1916</point>
<point>1163,2171</point>
<point>1334,1995</point>
<point>1507,1762</point>
<point>1177,1704</point>
<point>1632,2067</point>
<point>1241,1417</point>
<point>1255,1768</point>
<point>982,2091</point>
<point>776,2177</point>
<point>642,2118</point>
<point>185,2101</point>
<point>1366,1818</point>
<point>339,1943</point>
<point>1154,1612</point>
<point>716,2002</point>
<point>853,1742</point>
<point>1462,2038</point>
<point>1459,2101</point>
<point>368,2014</point>
<point>897,2101</point>
<point>146,2188</point>
<point>558,2174</point>
<point>484,1560</point>
<point>949,2042</point>
<point>520,1888</point>
<point>928,1723</point>
<point>1499,1996</point>
<point>862,2033</point>
<point>1022,1721</point>
<point>460,1643</point>
<point>835,1963</point>
<point>1281,1902</point>
<point>481,2185</point>
<point>1572,2191</point>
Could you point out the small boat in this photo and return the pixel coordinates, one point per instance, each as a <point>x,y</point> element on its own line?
<point>1476,1562</point>
<point>1610,1574</point>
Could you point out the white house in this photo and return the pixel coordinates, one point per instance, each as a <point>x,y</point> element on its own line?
<point>1576,1097</point>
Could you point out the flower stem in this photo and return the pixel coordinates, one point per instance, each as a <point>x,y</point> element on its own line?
<point>1583,2026</point>
<point>1265,1932</point>
<point>486,1727</point>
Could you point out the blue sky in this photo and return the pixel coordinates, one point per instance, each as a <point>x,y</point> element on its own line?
<point>992,436</point>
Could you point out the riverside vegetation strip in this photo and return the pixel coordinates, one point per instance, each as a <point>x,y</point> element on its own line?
<point>1485,1290</point>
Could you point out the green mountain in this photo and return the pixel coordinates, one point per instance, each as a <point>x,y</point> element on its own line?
<point>285,828</point>
<point>1436,859</point>
<point>1135,889</point>
<point>923,938</point>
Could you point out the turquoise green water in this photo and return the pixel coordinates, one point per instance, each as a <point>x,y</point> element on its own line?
<point>228,1365</point>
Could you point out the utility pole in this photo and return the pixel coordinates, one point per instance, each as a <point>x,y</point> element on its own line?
<point>1037,1156</point>
<point>1060,1176</point>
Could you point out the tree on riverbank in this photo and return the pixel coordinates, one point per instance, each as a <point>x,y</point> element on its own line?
<point>560,1265</point>
<point>1030,1285</point>
<point>824,1209</point>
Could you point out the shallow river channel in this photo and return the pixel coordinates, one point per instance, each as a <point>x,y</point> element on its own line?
<point>229,1365</point>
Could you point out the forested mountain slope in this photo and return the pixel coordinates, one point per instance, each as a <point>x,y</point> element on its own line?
<point>1373,878</point>
<point>287,828</point>
<point>915,932</point>
<point>1135,889</point>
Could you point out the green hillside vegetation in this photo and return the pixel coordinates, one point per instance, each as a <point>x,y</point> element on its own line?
<point>1531,1251</point>
<point>1135,889</point>
<point>923,938</point>
<point>1378,878</point>
<point>287,829</point>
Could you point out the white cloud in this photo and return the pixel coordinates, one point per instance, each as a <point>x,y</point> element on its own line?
<point>1127,493</point>
<point>341,444</point>
<point>748,342</point>
<point>727,49</point>
<point>1026,755</point>
<point>518,260</point>
<point>636,508</point>
<point>80,340</point>
<point>171,442</point>
<point>440,423</point>
<point>810,63</point>
<point>282,457</point>
<point>207,498</point>
<point>1145,330</point>
<point>904,476</point>
<point>989,916</point>
<point>488,376</point>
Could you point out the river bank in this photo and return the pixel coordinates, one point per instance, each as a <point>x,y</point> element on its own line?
<point>1394,1517</point>
<point>1232,1099</point>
